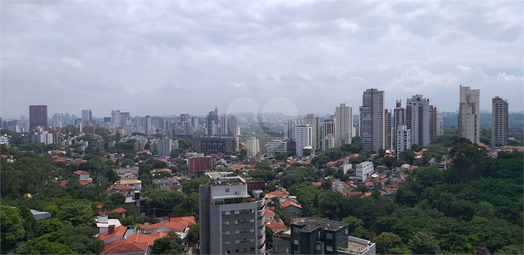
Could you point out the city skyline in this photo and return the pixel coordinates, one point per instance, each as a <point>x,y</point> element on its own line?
<point>166,57</point>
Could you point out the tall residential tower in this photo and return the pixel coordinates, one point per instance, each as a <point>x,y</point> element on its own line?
<point>499,122</point>
<point>372,120</point>
<point>469,114</point>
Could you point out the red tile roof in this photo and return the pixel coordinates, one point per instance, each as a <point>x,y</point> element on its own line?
<point>119,210</point>
<point>290,203</point>
<point>120,247</point>
<point>275,226</point>
<point>139,238</point>
<point>369,183</point>
<point>269,213</point>
<point>278,193</point>
<point>84,182</point>
<point>119,232</point>
<point>176,226</point>
<point>63,183</point>
<point>188,220</point>
<point>80,172</point>
<point>355,193</point>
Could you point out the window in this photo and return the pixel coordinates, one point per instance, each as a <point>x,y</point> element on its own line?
<point>228,242</point>
<point>329,248</point>
<point>346,231</point>
<point>237,241</point>
<point>227,212</point>
<point>252,220</point>
<point>228,232</point>
<point>252,240</point>
<point>228,252</point>
<point>252,230</point>
<point>287,250</point>
<point>318,247</point>
<point>227,189</point>
<point>236,221</point>
<point>237,231</point>
<point>329,236</point>
<point>252,249</point>
<point>295,241</point>
<point>237,212</point>
<point>251,210</point>
<point>295,230</point>
<point>226,222</point>
<point>237,250</point>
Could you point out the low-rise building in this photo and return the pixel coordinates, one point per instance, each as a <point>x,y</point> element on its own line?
<point>363,170</point>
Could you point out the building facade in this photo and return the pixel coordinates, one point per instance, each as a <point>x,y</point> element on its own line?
<point>201,163</point>
<point>231,221</point>
<point>215,144</point>
<point>363,170</point>
<point>329,128</point>
<point>253,146</point>
<point>303,138</point>
<point>372,120</point>
<point>469,114</point>
<point>417,119</point>
<point>499,122</point>
<point>312,120</point>
<point>403,139</point>
<point>343,125</point>
<point>276,146</point>
<point>37,116</point>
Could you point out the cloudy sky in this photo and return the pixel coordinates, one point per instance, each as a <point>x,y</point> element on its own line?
<point>170,57</point>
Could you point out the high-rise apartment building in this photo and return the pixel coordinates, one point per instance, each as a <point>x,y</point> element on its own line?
<point>289,129</point>
<point>403,139</point>
<point>37,116</point>
<point>388,132</point>
<point>329,129</point>
<point>212,123</point>
<point>372,120</point>
<point>115,118</point>
<point>86,115</point>
<point>343,125</point>
<point>440,125</point>
<point>417,119</point>
<point>228,125</point>
<point>312,121</point>
<point>399,118</point>
<point>231,220</point>
<point>149,126</point>
<point>253,146</point>
<point>304,136</point>
<point>499,122</point>
<point>432,123</point>
<point>469,114</point>
<point>56,120</point>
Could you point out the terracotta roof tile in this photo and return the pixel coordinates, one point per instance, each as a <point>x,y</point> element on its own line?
<point>119,232</point>
<point>119,210</point>
<point>120,247</point>
<point>80,172</point>
<point>290,203</point>
<point>176,226</point>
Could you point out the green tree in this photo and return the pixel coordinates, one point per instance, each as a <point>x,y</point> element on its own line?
<point>78,213</point>
<point>264,166</point>
<point>408,156</point>
<point>163,245</point>
<point>12,226</point>
<point>424,243</point>
<point>385,241</point>
<point>468,161</point>
<point>193,234</point>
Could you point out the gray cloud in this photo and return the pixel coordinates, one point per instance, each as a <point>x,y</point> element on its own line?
<point>168,57</point>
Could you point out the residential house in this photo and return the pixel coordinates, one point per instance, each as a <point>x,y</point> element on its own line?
<point>290,207</point>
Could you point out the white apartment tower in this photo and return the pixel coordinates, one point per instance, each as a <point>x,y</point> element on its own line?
<point>252,146</point>
<point>231,221</point>
<point>115,118</point>
<point>343,125</point>
<point>303,138</point>
<point>469,114</point>
<point>499,122</point>
<point>372,120</point>
<point>417,119</point>
<point>403,141</point>
<point>312,120</point>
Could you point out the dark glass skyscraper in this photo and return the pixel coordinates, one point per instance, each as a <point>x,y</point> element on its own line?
<point>37,116</point>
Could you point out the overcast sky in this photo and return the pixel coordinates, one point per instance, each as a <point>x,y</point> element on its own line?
<point>171,57</point>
